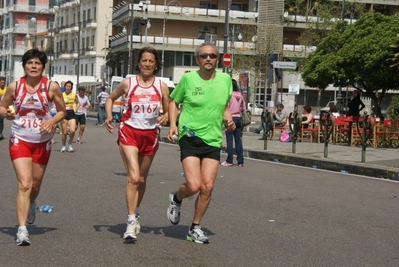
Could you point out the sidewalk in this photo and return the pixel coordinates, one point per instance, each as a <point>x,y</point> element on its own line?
<point>380,162</point>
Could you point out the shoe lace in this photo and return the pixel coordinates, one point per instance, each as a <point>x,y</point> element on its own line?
<point>175,209</point>
<point>198,232</point>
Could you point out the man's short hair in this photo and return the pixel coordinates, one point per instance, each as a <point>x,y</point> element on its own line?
<point>2,78</point>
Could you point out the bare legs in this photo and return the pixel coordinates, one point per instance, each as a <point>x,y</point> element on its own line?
<point>200,177</point>
<point>137,170</point>
<point>29,176</point>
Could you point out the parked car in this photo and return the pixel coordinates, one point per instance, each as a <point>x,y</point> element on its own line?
<point>256,109</point>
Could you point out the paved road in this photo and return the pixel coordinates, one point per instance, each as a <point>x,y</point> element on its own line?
<point>265,214</point>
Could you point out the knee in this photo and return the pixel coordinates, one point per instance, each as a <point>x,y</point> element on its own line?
<point>24,186</point>
<point>134,181</point>
<point>207,189</point>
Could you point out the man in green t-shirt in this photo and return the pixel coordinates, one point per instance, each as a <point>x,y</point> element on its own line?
<point>204,95</point>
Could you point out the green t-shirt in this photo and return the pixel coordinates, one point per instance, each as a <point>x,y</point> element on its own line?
<point>204,103</point>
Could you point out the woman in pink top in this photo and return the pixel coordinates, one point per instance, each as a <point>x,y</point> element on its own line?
<point>236,105</point>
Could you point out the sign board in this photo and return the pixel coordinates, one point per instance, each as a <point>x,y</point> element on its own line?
<point>284,65</point>
<point>226,59</point>
<point>293,89</point>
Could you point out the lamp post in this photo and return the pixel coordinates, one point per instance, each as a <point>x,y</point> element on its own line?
<point>130,58</point>
<point>227,4</point>
<point>166,9</point>
<point>34,20</point>
<point>239,37</point>
<point>51,50</point>
<point>339,95</point>
<point>124,31</point>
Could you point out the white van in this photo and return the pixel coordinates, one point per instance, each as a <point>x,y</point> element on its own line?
<point>118,106</point>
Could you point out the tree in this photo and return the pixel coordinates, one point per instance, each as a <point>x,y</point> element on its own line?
<point>357,55</point>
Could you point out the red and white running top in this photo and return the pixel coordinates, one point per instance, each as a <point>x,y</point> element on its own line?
<point>30,111</point>
<point>142,104</point>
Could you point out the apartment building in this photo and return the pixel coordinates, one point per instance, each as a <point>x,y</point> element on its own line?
<point>175,28</point>
<point>21,23</point>
<point>81,38</point>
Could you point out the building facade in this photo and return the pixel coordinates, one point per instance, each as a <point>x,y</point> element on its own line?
<point>22,22</point>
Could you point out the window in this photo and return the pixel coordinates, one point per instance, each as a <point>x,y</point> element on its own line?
<point>93,39</point>
<point>88,14</point>
<point>32,2</point>
<point>186,59</point>
<point>202,30</point>
<point>95,14</point>
<point>87,42</point>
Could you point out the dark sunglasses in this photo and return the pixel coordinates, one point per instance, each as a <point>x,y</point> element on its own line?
<point>205,56</point>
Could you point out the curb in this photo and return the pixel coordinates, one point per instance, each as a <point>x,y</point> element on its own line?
<point>317,163</point>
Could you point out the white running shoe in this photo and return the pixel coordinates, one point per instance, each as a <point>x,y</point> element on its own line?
<point>197,235</point>
<point>70,148</point>
<point>63,149</point>
<point>79,141</point>
<point>23,238</point>
<point>138,226</point>
<point>31,213</point>
<point>173,212</point>
<point>130,231</point>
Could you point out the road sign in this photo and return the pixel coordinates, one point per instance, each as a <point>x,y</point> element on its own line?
<point>226,59</point>
<point>284,65</point>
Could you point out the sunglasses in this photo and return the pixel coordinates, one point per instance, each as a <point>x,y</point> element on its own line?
<point>205,56</point>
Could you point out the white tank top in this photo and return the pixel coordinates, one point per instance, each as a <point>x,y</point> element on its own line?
<point>30,111</point>
<point>142,104</point>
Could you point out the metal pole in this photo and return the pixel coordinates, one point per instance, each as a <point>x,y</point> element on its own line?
<point>163,38</point>
<point>226,28</point>
<point>130,59</point>
<point>339,96</point>
<point>51,48</point>
<point>78,69</point>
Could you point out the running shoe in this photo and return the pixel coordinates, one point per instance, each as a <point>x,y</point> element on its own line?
<point>79,141</point>
<point>31,213</point>
<point>173,212</point>
<point>23,238</point>
<point>196,235</point>
<point>130,231</point>
<point>226,164</point>
<point>70,148</point>
<point>63,149</point>
<point>138,226</point>
<point>240,165</point>
<point>1,137</point>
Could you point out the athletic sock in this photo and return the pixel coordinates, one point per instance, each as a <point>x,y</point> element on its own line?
<point>176,200</point>
<point>193,225</point>
<point>131,218</point>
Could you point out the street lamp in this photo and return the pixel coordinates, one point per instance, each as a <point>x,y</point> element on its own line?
<point>166,9</point>
<point>34,20</point>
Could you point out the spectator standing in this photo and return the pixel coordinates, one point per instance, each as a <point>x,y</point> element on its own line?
<point>204,94</point>
<point>355,105</point>
<point>236,106</point>
<point>30,142</point>
<point>80,115</point>
<point>62,87</point>
<point>102,97</point>
<point>139,129</point>
<point>68,125</point>
<point>2,93</point>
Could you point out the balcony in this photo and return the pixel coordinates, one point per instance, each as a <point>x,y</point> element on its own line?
<point>90,23</point>
<point>195,14</point>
